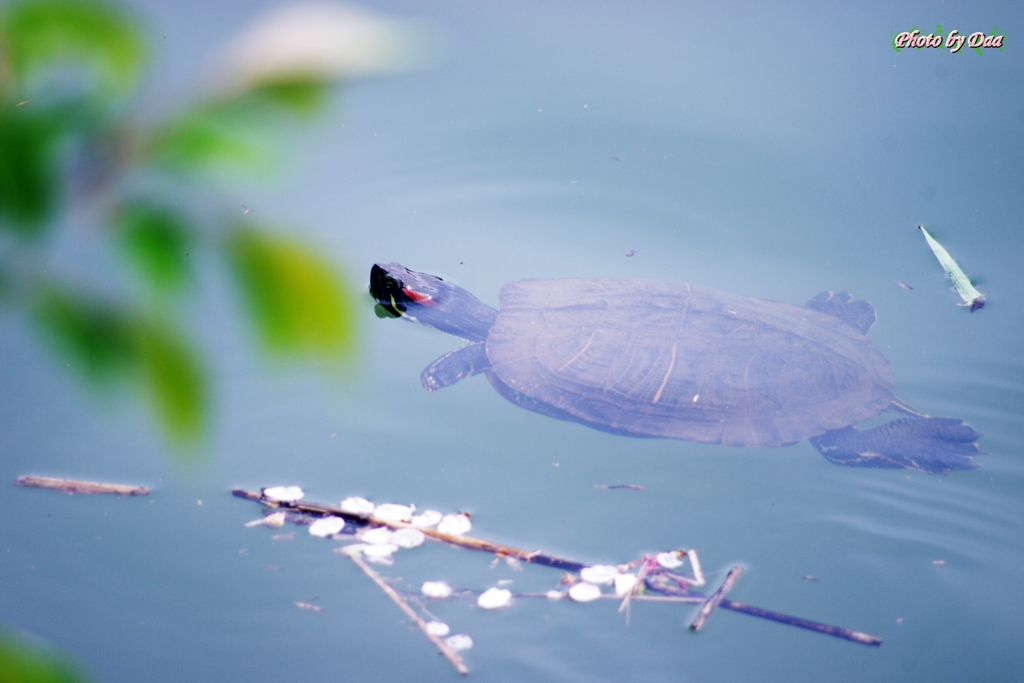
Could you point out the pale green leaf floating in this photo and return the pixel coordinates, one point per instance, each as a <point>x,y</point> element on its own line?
<point>39,33</point>
<point>971,296</point>
<point>297,300</point>
<point>21,662</point>
<point>171,373</point>
<point>157,240</point>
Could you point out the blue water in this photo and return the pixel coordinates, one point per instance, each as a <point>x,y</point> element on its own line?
<point>772,152</point>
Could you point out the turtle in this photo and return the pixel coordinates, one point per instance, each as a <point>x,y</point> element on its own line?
<point>648,358</point>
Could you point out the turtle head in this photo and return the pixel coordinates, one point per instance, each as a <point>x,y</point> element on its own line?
<point>428,299</point>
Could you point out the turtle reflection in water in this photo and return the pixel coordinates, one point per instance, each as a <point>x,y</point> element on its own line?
<point>673,360</point>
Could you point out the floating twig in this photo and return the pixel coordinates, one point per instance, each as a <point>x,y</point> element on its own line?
<point>716,598</point>
<point>450,654</point>
<point>630,487</point>
<point>318,510</point>
<point>824,629</point>
<point>663,581</point>
<point>75,486</point>
<point>971,296</point>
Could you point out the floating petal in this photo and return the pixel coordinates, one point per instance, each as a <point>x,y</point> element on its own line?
<point>436,589</point>
<point>408,538</point>
<point>599,574</point>
<point>455,525</point>
<point>283,494</point>
<point>274,521</point>
<point>382,550</point>
<point>357,506</point>
<point>438,628</point>
<point>389,512</point>
<point>584,592</point>
<point>624,583</point>
<point>670,560</point>
<point>429,518</point>
<point>459,642</point>
<point>353,549</point>
<point>328,526</point>
<point>378,536</point>
<point>555,595</point>
<point>494,598</point>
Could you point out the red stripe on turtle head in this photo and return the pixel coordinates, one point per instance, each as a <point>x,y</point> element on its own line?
<point>422,299</point>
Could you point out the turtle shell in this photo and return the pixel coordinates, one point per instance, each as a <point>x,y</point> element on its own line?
<point>665,359</point>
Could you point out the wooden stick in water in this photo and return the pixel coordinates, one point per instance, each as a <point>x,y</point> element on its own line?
<point>824,629</point>
<point>533,556</point>
<point>75,486</point>
<point>716,598</point>
<point>450,654</point>
<point>538,557</point>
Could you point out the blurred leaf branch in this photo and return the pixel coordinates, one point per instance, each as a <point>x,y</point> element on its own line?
<point>24,661</point>
<point>69,137</point>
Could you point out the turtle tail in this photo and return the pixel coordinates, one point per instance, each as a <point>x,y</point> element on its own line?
<point>928,444</point>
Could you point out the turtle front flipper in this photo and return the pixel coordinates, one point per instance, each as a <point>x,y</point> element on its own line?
<point>455,366</point>
<point>933,444</point>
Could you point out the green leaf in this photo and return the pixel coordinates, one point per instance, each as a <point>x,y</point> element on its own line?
<point>174,378</point>
<point>21,663</point>
<point>215,136</point>
<point>238,132</point>
<point>296,299</point>
<point>96,337</point>
<point>28,170</point>
<point>108,344</point>
<point>41,33</point>
<point>157,240</point>
<point>298,96</point>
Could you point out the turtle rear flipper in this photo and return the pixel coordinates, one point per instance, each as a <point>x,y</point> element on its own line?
<point>933,444</point>
<point>455,366</point>
<point>857,313</point>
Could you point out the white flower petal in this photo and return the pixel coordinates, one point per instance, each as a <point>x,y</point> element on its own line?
<point>377,536</point>
<point>274,520</point>
<point>382,550</point>
<point>327,526</point>
<point>408,538</point>
<point>494,598</point>
<point>599,574</point>
<point>584,592</point>
<point>438,628</point>
<point>436,589</point>
<point>624,583</point>
<point>429,518</point>
<point>670,560</point>
<point>389,512</point>
<point>555,595</point>
<point>353,549</point>
<point>455,525</point>
<point>459,642</point>
<point>318,40</point>
<point>283,494</point>
<point>357,506</point>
